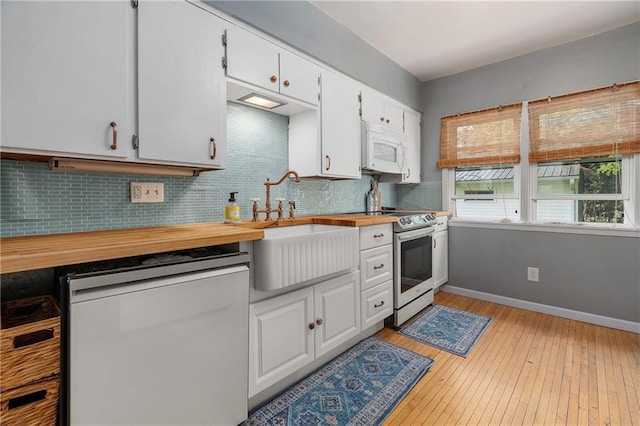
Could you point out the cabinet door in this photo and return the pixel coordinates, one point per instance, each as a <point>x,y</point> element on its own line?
<point>299,78</point>
<point>280,338</point>
<point>181,85</point>
<point>394,116</point>
<point>340,127</point>
<point>440,258</point>
<point>372,108</point>
<point>66,76</point>
<point>252,59</point>
<point>337,310</point>
<point>411,174</point>
<point>376,109</point>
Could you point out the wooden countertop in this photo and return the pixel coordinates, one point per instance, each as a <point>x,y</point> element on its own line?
<point>45,251</point>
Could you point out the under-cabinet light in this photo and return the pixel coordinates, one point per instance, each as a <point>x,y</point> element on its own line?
<point>261,101</point>
<point>98,166</point>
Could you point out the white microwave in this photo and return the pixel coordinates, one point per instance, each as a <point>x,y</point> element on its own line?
<point>382,148</point>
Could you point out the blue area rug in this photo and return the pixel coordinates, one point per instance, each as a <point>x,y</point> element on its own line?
<point>359,387</point>
<point>448,328</point>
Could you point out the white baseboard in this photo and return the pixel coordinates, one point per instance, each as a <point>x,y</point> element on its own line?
<point>619,324</point>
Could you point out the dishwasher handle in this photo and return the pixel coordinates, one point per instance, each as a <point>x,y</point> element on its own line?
<point>79,293</point>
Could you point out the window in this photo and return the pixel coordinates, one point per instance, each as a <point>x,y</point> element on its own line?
<point>481,152</point>
<point>585,190</point>
<point>583,164</point>
<point>589,138</point>
<point>486,192</point>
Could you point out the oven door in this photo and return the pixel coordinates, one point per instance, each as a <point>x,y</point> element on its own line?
<point>413,272</point>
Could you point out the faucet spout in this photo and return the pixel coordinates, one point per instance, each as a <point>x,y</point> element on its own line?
<point>268,184</point>
<point>290,172</point>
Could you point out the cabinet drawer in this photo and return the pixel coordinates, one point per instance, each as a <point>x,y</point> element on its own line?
<point>376,266</point>
<point>377,303</point>
<point>376,236</point>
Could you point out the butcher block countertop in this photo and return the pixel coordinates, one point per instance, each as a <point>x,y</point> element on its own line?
<point>45,251</point>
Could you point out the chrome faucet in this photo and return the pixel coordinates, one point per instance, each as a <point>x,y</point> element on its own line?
<point>267,208</point>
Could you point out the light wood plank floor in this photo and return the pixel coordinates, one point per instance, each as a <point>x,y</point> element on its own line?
<point>527,369</point>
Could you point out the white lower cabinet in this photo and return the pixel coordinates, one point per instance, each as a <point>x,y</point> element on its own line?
<point>440,252</point>
<point>376,281</point>
<point>377,303</point>
<point>291,330</point>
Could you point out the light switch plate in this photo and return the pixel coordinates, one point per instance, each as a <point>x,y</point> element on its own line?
<point>147,192</point>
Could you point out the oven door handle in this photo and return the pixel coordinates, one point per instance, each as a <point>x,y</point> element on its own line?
<point>412,235</point>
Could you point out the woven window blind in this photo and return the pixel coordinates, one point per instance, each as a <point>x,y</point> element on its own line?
<point>594,123</point>
<point>487,137</point>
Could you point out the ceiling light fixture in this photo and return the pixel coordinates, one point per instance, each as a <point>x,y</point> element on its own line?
<point>261,101</point>
<point>97,166</point>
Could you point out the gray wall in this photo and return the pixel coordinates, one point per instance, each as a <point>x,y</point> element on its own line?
<point>307,28</point>
<point>587,273</point>
<point>600,60</point>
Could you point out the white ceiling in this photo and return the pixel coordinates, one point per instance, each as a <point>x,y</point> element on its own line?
<point>432,39</point>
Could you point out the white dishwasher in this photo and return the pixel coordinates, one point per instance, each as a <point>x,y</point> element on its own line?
<point>159,344</point>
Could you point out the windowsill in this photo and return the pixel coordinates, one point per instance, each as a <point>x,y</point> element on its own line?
<point>567,228</point>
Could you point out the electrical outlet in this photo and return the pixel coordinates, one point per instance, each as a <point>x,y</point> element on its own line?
<point>533,274</point>
<point>147,192</point>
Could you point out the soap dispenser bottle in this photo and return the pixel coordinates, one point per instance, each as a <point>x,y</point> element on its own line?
<point>232,210</point>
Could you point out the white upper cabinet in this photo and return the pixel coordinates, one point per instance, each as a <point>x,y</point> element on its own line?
<point>67,75</point>
<point>411,173</point>
<point>377,109</point>
<point>299,78</point>
<point>333,151</point>
<point>254,60</point>
<point>340,127</point>
<point>181,85</point>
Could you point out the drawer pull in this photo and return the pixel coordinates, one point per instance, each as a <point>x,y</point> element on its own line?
<point>379,304</point>
<point>378,267</point>
<point>378,235</point>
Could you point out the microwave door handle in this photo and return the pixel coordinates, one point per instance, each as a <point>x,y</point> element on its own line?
<point>403,162</point>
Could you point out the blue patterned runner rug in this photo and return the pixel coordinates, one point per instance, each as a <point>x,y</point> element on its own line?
<point>448,328</point>
<point>359,387</point>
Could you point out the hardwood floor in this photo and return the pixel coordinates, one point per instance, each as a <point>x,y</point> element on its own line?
<point>527,368</point>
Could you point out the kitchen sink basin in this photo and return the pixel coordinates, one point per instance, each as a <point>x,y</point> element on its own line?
<point>291,255</point>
